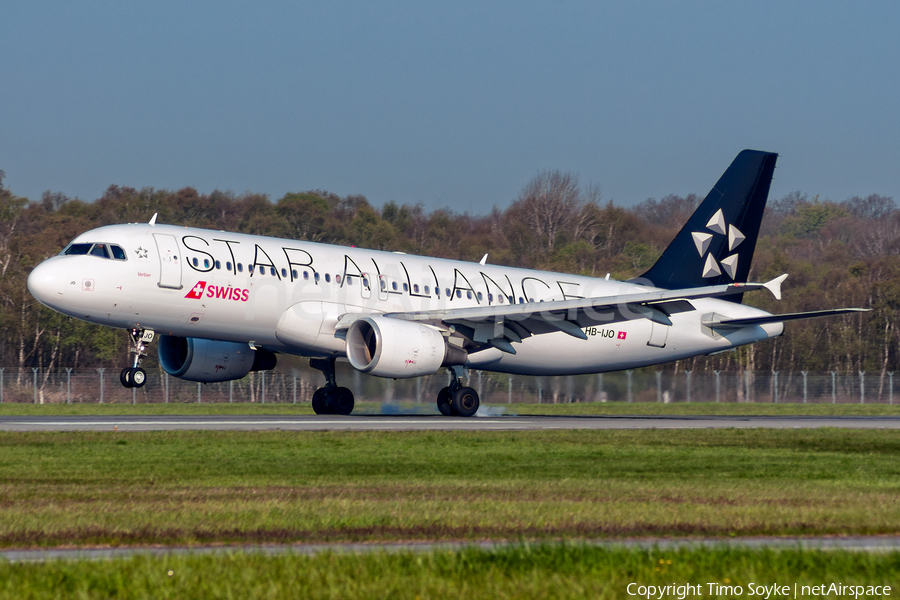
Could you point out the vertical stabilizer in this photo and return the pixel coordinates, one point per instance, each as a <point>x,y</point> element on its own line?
<point>716,244</point>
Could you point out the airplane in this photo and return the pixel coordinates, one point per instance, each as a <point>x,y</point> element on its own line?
<point>223,304</point>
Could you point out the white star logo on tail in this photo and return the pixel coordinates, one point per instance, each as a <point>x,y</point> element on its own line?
<point>703,240</point>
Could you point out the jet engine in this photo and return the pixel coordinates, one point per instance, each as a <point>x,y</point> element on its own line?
<point>197,359</point>
<point>396,348</point>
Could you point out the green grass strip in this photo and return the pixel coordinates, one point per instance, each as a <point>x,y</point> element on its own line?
<point>194,487</point>
<point>528,572</point>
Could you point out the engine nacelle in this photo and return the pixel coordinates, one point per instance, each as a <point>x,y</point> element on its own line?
<point>197,359</point>
<point>396,348</point>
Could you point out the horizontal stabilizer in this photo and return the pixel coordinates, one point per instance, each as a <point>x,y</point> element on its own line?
<point>747,322</point>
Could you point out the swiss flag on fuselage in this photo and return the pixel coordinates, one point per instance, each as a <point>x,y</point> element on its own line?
<point>197,291</point>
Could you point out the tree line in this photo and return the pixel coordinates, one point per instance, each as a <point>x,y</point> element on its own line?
<point>838,253</point>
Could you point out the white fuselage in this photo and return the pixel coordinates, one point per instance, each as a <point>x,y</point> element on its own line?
<point>200,283</point>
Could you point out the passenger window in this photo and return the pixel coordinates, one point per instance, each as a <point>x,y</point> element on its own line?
<point>459,293</point>
<point>218,265</point>
<point>294,273</point>
<point>262,270</point>
<point>469,295</point>
<point>240,267</point>
<point>228,265</point>
<point>317,278</point>
<point>205,263</point>
<point>273,272</point>
<point>394,285</point>
<point>405,287</point>
<point>327,277</point>
<point>490,297</point>
<point>427,290</point>
<point>305,274</point>
<point>366,281</point>
<point>349,280</point>
<point>118,253</point>
<point>337,278</point>
<point>284,272</point>
<point>195,262</point>
<point>448,292</point>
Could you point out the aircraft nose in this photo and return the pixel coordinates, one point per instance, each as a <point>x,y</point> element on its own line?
<point>46,283</point>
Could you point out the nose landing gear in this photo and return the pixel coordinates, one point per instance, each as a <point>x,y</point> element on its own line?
<point>330,399</point>
<point>135,376</point>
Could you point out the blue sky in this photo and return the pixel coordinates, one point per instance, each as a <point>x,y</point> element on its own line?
<point>453,105</point>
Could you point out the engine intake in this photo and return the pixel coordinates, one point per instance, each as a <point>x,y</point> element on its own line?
<point>396,348</point>
<point>207,361</point>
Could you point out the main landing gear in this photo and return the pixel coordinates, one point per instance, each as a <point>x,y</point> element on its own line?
<point>456,400</point>
<point>135,376</point>
<point>330,399</point>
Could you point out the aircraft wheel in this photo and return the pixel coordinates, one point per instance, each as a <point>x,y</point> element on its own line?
<point>318,402</point>
<point>443,402</point>
<point>465,402</point>
<point>125,378</point>
<point>341,401</point>
<point>138,377</point>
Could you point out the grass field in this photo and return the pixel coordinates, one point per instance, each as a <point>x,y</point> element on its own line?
<point>98,488</point>
<point>568,571</point>
<point>362,408</point>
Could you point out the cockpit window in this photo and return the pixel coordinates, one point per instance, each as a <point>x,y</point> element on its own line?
<point>101,250</point>
<point>78,249</point>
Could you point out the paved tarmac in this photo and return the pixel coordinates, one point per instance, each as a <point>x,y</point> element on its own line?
<point>426,423</point>
<point>872,543</point>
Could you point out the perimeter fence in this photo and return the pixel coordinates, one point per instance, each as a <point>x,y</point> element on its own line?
<point>71,386</point>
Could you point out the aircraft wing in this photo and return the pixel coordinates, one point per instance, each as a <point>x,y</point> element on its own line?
<point>499,325</point>
<point>725,323</point>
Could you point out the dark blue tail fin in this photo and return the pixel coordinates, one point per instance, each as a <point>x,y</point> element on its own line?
<point>717,243</point>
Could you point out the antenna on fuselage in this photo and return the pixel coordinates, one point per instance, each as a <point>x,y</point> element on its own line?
<point>153,219</point>
<point>483,260</point>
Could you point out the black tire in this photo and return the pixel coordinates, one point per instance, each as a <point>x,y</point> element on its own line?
<point>320,407</point>
<point>465,402</point>
<point>443,402</point>
<point>341,401</point>
<point>138,377</point>
<point>125,377</point>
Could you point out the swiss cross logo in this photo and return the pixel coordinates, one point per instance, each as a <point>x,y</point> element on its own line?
<point>622,335</point>
<point>197,291</point>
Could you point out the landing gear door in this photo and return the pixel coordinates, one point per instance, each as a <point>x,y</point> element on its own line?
<point>169,262</point>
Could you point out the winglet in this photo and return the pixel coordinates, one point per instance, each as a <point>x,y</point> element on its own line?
<point>774,286</point>
<point>153,219</point>
<point>483,260</point>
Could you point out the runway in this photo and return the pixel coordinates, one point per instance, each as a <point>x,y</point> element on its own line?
<point>427,423</point>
